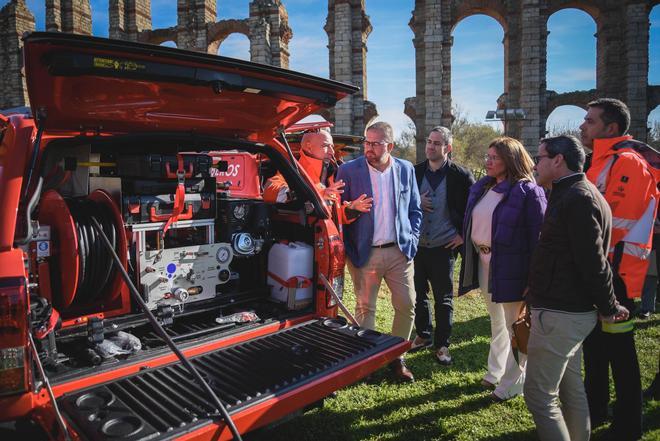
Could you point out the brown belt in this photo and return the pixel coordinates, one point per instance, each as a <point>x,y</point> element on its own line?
<point>385,245</point>
<point>483,249</point>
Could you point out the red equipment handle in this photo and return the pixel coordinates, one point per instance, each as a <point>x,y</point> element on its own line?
<point>154,217</point>
<point>173,175</point>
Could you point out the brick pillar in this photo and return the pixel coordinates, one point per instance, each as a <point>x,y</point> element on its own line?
<point>610,51</point>
<point>637,50</point>
<point>128,18</point>
<point>533,84</point>
<point>512,69</point>
<point>15,19</point>
<point>269,33</point>
<point>72,16</point>
<point>348,27</point>
<point>53,16</point>
<point>193,19</point>
<point>414,107</point>
<point>432,24</point>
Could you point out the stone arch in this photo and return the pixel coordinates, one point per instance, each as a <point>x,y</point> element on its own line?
<point>219,31</point>
<point>236,45</point>
<point>579,28</point>
<point>492,8</point>
<point>158,36</point>
<point>492,57</point>
<point>569,124</point>
<point>592,8</point>
<point>578,98</point>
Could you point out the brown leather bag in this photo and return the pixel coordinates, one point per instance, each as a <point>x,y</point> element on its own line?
<point>521,329</point>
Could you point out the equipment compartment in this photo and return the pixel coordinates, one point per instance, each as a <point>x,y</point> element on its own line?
<point>159,208</point>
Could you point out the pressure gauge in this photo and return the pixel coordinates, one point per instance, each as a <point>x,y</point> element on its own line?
<point>240,211</point>
<point>223,255</point>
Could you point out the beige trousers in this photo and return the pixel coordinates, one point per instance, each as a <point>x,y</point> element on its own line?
<point>503,369</point>
<point>389,264</point>
<point>554,374</point>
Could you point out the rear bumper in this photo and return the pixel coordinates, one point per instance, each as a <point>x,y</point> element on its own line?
<point>259,381</point>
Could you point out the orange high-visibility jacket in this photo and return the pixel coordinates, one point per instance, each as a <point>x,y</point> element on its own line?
<point>313,167</point>
<point>630,185</point>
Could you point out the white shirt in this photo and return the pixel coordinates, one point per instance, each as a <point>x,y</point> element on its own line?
<point>482,220</point>
<point>382,185</point>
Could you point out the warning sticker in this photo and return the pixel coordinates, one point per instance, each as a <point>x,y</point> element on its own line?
<point>116,64</point>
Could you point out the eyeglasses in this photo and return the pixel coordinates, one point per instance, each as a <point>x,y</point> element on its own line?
<point>373,144</point>
<point>435,143</point>
<point>490,158</point>
<point>538,158</point>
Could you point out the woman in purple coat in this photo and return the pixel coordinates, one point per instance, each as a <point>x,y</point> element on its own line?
<point>502,224</point>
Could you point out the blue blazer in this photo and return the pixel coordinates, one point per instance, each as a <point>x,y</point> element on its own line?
<point>408,216</point>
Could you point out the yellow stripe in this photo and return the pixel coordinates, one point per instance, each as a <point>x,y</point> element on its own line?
<point>617,328</point>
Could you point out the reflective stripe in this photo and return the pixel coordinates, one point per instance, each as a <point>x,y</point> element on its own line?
<point>634,250</point>
<point>641,231</point>
<point>626,224</point>
<point>601,180</point>
<point>618,327</point>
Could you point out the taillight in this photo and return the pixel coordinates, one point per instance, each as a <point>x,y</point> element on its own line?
<point>13,336</point>
<point>336,270</point>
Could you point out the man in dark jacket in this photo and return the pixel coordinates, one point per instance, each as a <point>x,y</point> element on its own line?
<point>444,187</point>
<point>570,282</point>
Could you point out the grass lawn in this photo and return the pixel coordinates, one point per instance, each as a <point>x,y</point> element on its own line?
<point>444,403</point>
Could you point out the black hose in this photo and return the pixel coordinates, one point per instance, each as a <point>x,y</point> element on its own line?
<point>162,334</point>
<point>95,265</point>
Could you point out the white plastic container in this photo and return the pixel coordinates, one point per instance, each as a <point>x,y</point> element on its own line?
<point>290,271</point>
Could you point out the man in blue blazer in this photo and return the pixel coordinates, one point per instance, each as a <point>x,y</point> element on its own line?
<point>381,244</point>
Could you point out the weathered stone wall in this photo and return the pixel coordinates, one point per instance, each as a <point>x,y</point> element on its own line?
<point>621,72</point>
<point>128,18</point>
<point>73,16</point>
<point>622,61</point>
<point>348,27</point>
<point>15,19</point>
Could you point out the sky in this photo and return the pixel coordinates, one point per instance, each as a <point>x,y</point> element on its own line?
<point>477,53</point>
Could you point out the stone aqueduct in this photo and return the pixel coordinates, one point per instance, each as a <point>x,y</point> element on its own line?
<point>622,51</point>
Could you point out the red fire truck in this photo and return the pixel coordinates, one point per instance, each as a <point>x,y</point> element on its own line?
<point>141,296</point>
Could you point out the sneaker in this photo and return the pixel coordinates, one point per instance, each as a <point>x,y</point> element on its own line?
<point>420,343</point>
<point>443,357</point>
<point>644,315</point>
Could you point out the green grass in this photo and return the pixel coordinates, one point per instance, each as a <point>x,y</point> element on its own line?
<point>444,403</point>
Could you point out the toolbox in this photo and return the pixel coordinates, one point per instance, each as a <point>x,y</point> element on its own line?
<point>138,209</point>
<point>154,166</point>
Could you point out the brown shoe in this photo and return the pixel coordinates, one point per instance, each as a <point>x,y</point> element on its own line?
<point>401,372</point>
<point>419,343</point>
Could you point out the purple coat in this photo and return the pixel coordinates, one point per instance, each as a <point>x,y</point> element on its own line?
<point>516,227</point>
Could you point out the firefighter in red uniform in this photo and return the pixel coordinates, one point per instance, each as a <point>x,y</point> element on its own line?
<point>318,161</point>
<point>625,171</point>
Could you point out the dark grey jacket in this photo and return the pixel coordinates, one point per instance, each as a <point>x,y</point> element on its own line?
<point>569,269</point>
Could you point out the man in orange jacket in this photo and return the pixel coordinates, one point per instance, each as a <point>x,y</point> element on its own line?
<point>317,160</point>
<point>621,170</point>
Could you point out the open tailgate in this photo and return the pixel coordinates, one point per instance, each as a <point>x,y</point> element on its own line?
<point>259,381</point>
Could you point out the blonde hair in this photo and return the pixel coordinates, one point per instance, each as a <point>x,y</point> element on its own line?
<point>519,165</point>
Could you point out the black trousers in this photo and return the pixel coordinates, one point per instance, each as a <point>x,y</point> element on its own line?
<point>602,349</point>
<point>434,266</point>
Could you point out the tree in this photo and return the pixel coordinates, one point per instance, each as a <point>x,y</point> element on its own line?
<point>654,134</point>
<point>405,144</point>
<point>471,140</point>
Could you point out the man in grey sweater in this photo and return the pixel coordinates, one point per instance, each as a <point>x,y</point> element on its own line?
<point>570,283</point>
